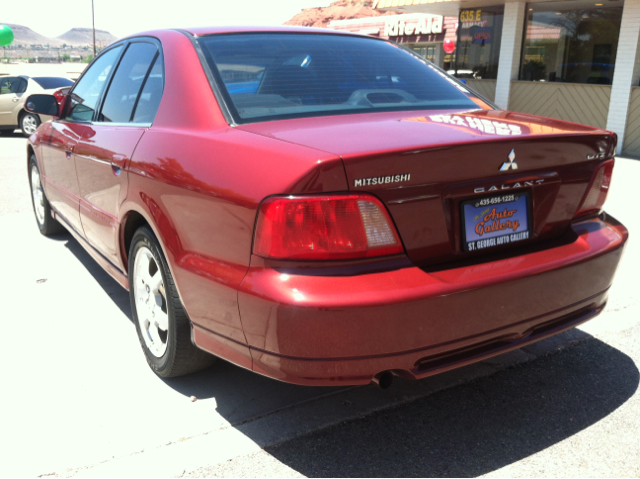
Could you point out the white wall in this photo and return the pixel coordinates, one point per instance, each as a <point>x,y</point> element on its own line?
<point>510,48</point>
<point>627,71</point>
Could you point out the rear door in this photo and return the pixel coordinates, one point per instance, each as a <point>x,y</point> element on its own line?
<point>58,159</point>
<point>11,90</point>
<point>104,149</point>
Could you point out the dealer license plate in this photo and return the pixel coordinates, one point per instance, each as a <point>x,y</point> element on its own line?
<point>495,221</point>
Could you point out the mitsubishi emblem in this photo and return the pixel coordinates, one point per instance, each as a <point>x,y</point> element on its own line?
<point>511,163</point>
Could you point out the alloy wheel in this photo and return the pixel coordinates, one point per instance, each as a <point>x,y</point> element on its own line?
<point>150,301</point>
<point>29,124</point>
<point>38,195</point>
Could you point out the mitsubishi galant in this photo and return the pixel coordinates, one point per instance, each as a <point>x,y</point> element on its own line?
<point>320,207</point>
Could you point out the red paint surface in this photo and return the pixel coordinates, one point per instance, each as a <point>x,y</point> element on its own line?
<point>101,154</point>
<point>199,182</point>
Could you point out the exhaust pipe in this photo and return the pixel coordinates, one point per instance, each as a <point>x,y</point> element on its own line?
<point>383,380</point>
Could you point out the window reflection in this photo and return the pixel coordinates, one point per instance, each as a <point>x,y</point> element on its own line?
<point>85,95</point>
<point>576,45</point>
<point>127,81</point>
<point>478,46</point>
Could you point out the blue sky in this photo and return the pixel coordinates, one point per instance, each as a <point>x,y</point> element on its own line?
<point>124,17</point>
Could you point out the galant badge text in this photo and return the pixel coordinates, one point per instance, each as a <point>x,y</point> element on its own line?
<point>523,184</point>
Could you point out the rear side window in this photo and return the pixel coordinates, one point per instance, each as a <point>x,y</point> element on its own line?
<point>284,75</point>
<point>19,85</point>
<point>151,95</point>
<point>49,83</point>
<point>84,97</point>
<point>6,84</point>
<point>127,82</point>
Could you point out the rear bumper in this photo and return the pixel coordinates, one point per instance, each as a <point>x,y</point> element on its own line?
<point>333,330</point>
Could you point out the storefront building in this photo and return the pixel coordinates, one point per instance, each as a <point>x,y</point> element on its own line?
<point>423,33</point>
<point>576,60</point>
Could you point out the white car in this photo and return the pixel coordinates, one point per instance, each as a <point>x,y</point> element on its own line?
<point>14,90</point>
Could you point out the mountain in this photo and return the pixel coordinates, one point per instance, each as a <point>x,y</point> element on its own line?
<point>84,36</point>
<point>339,10</point>
<point>25,36</point>
<point>76,37</point>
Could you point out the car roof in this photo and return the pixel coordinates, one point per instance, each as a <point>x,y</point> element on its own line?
<point>219,30</point>
<point>253,29</point>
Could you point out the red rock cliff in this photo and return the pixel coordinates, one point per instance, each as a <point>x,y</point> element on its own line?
<point>339,10</point>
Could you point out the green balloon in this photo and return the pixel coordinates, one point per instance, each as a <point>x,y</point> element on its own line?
<point>6,36</point>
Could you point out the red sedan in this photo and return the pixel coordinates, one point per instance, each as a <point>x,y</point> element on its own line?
<point>322,208</point>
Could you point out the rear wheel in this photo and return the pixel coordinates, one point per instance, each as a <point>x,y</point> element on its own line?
<point>29,123</point>
<point>41,207</point>
<point>163,327</point>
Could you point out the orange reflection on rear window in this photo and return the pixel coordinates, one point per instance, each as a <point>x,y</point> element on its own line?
<point>482,104</point>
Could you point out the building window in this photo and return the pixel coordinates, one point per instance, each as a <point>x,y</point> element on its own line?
<point>426,51</point>
<point>449,63</point>
<point>572,45</point>
<point>478,46</point>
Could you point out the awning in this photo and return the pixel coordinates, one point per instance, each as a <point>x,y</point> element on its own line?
<point>379,4</point>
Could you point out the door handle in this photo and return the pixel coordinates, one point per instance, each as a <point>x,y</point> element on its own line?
<point>119,160</point>
<point>15,100</point>
<point>117,163</point>
<point>69,149</point>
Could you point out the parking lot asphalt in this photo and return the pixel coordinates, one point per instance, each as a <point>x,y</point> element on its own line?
<point>78,398</point>
<point>551,417</point>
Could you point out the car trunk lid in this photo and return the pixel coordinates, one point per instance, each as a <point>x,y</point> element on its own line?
<point>425,166</point>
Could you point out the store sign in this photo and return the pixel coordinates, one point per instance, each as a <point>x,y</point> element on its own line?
<point>424,26</point>
<point>472,18</point>
<point>482,35</point>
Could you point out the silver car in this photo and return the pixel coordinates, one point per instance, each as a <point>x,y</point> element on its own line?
<point>14,91</point>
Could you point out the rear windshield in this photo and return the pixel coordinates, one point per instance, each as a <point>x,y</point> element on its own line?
<point>48,83</point>
<point>286,75</point>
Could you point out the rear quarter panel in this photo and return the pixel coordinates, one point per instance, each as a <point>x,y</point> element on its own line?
<point>201,191</point>
<point>199,182</point>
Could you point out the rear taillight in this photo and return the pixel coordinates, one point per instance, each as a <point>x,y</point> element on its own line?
<point>596,194</point>
<point>60,94</point>
<point>324,228</point>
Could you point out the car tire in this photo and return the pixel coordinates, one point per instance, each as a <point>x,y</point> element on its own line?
<point>47,224</point>
<point>29,123</point>
<point>162,324</point>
